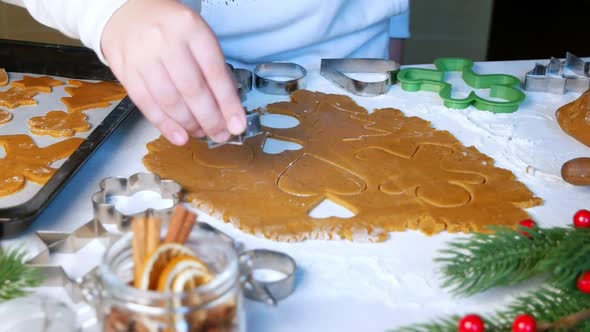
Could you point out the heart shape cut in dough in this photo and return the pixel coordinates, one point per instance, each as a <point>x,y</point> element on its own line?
<point>312,176</point>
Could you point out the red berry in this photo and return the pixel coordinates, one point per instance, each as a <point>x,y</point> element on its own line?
<point>524,323</point>
<point>582,219</point>
<point>471,323</point>
<point>584,282</point>
<point>527,223</point>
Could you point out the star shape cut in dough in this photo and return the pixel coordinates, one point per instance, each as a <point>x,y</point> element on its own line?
<point>40,84</point>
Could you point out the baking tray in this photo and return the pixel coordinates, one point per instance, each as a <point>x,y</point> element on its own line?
<point>67,62</point>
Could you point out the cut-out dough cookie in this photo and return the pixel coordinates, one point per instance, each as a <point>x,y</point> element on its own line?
<point>3,77</point>
<point>5,116</point>
<point>40,84</point>
<point>393,172</point>
<point>15,97</point>
<point>59,124</point>
<point>86,95</point>
<point>574,118</point>
<point>24,160</point>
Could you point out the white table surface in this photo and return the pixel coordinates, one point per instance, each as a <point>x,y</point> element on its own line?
<point>344,286</point>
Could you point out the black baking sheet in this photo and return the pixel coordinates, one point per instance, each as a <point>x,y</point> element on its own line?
<point>67,62</point>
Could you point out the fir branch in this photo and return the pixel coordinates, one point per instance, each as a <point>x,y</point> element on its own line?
<point>555,310</point>
<point>15,277</point>
<point>548,305</point>
<point>569,258</point>
<point>505,257</point>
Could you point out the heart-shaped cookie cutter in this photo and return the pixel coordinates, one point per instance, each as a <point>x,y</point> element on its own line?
<point>335,70</point>
<point>106,213</point>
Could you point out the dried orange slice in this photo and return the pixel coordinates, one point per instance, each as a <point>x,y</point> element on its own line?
<point>155,264</point>
<point>189,279</point>
<point>189,269</point>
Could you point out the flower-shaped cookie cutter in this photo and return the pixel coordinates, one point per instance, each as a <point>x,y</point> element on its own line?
<point>107,213</point>
<point>501,86</point>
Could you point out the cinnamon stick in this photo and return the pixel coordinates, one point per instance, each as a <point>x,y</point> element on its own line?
<point>138,227</point>
<point>187,227</point>
<point>154,225</point>
<point>175,224</point>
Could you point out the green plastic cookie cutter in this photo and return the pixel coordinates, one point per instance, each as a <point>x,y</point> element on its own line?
<point>501,86</point>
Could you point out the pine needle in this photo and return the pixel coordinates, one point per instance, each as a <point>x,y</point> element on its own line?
<point>16,278</point>
<point>505,257</point>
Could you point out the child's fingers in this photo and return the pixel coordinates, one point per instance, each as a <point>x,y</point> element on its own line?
<point>140,95</point>
<point>218,78</point>
<point>207,113</point>
<point>159,84</point>
<point>184,72</point>
<point>187,76</point>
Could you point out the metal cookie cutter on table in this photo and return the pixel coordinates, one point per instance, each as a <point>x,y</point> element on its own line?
<point>501,86</point>
<point>243,79</point>
<point>105,211</point>
<point>257,288</point>
<point>558,77</point>
<point>68,243</point>
<point>279,78</point>
<point>336,70</point>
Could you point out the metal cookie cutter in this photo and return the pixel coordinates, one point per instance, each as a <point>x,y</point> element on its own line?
<point>558,77</point>
<point>106,212</point>
<point>253,128</point>
<point>67,243</point>
<point>243,79</point>
<point>501,86</point>
<point>271,288</point>
<point>279,78</point>
<point>335,70</point>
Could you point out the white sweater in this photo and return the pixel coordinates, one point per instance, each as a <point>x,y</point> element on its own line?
<point>252,31</point>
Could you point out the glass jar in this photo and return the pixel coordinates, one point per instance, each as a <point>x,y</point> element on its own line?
<point>216,306</point>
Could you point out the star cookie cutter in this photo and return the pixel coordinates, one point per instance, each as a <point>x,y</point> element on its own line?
<point>335,71</point>
<point>558,77</point>
<point>55,242</point>
<point>501,86</point>
<point>253,128</point>
<point>106,213</point>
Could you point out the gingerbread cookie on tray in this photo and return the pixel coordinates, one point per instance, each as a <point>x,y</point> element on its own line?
<point>3,77</point>
<point>59,124</point>
<point>5,116</point>
<point>25,161</point>
<point>87,95</point>
<point>40,84</point>
<point>15,97</point>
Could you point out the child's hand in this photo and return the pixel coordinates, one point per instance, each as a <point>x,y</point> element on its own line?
<point>173,69</point>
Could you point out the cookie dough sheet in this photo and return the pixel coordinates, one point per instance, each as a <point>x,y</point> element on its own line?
<point>46,102</point>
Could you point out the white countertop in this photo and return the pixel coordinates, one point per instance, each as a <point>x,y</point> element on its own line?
<point>344,286</point>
